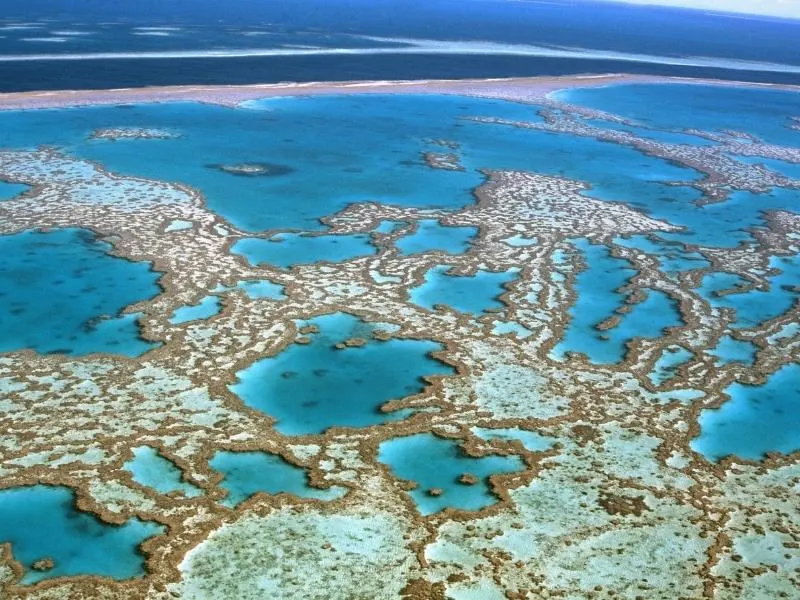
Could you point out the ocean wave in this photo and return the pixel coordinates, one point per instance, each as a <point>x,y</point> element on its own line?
<point>401,46</point>
<point>160,28</point>
<point>48,39</point>
<point>20,27</point>
<point>71,33</point>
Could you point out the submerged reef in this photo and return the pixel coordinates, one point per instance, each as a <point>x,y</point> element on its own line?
<point>568,369</point>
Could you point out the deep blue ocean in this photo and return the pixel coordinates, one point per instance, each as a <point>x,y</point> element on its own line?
<point>80,44</point>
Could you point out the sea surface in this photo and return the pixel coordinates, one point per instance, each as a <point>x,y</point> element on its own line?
<point>60,44</point>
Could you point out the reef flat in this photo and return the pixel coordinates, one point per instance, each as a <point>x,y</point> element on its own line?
<point>495,339</point>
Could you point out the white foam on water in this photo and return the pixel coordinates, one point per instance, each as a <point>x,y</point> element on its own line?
<point>49,40</point>
<point>427,47</point>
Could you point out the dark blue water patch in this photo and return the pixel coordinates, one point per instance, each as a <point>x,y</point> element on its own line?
<point>653,30</point>
<point>764,113</point>
<point>432,235</point>
<point>313,387</point>
<point>249,473</point>
<point>287,250</point>
<point>437,466</point>
<point>12,190</point>
<point>42,522</point>
<point>205,309</point>
<point>471,294</point>
<point>148,468</point>
<point>63,293</point>
<point>93,75</point>
<point>756,419</point>
<point>756,306</point>
<point>606,26</point>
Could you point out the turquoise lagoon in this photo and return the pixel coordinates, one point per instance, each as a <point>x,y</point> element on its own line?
<point>669,106</point>
<point>471,294</point>
<point>11,190</point>
<point>755,307</point>
<point>756,419</point>
<point>432,235</point>
<point>785,168</point>
<point>665,368</point>
<point>205,309</point>
<point>63,292</point>
<point>673,258</point>
<point>310,388</point>
<point>598,299</point>
<point>336,150</point>
<point>256,289</point>
<point>530,440</point>
<point>42,522</point>
<point>433,462</point>
<point>147,467</point>
<point>248,473</point>
<point>287,250</point>
<point>342,149</point>
<point>659,135</point>
<point>730,350</point>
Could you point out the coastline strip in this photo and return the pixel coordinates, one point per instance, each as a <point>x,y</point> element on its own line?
<point>520,89</point>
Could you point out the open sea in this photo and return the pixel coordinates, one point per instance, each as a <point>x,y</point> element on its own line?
<point>50,45</point>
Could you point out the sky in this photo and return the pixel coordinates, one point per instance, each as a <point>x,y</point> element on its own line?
<point>775,8</point>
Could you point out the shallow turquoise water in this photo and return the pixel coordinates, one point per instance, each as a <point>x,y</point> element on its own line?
<point>762,112</point>
<point>756,420</point>
<point>658,135</point>
<point>248,473</point>
<point>432,235</point>
<point>723,224</point>
<point>468,294</point>
<point>598,299</point>
<point>519,241</point>
<point>665,367</point>
<point>11,190</point>
<point>433,462</point>
<point>506,327</point>
<point>530,440</point>
<point>256,289</point>
<point>310,388</point>
<point>386,227</point>
<point>334,150</point>
<point>63,292</point>
<point>288,249</point>
<point>783,167</point>
<point>671,255</point>
<point>730,350</point>
<point>756,306</point>
<point>41,521</point>
<point>149,468</point>
<point>206,308</point>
